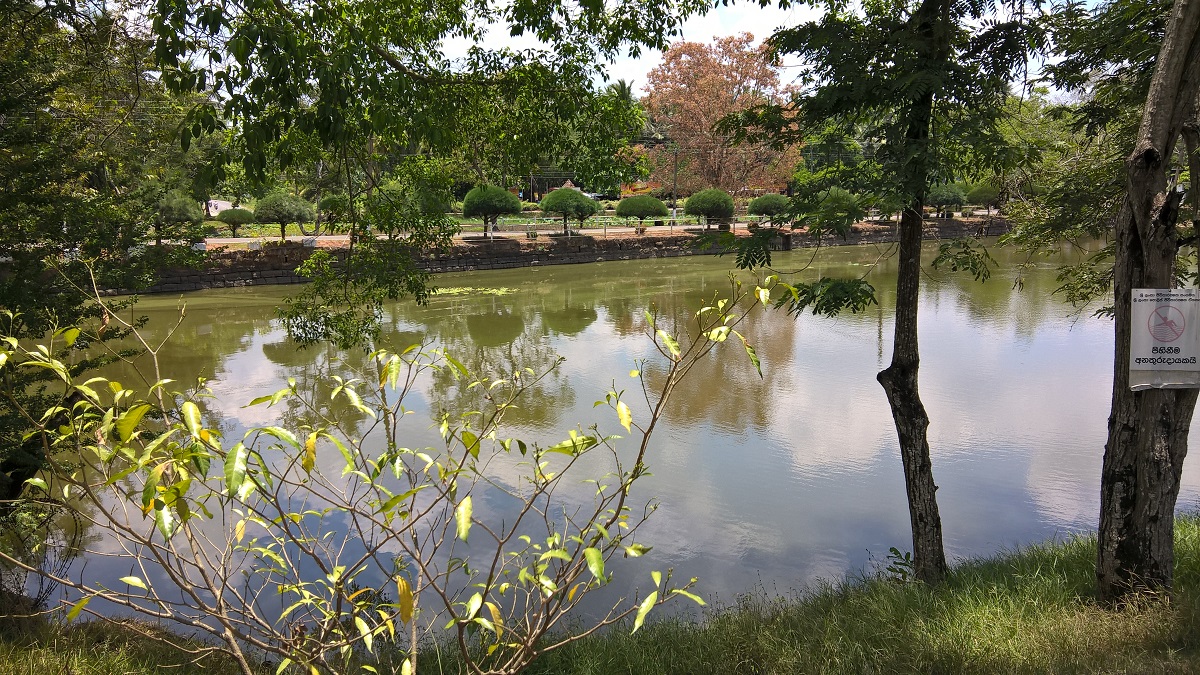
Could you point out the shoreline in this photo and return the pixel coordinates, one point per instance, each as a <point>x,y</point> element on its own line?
<point>275,263</point>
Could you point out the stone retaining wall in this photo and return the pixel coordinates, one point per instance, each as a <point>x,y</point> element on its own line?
<point>276,263</point>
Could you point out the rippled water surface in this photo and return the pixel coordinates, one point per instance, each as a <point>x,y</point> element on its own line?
<point>775,481</point>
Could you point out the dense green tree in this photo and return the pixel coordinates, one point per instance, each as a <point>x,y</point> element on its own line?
<point>235,218</point>
<point>984,194</point>
<point>176,212</point>
<point>641,207</point>
<point>926,81</point>
<point>945,196</point>
<point>768,205</point>
<point>711,203</point>
<point>283,208</point>
<point>490,202</point>
<point>571,204</point>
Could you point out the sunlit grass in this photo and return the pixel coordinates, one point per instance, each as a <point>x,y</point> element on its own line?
<point>1031,611</point>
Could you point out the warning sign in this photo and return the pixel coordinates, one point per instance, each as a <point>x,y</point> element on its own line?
<point>1164,340</point>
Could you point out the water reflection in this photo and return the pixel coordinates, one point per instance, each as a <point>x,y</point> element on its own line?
<point>780,478</point>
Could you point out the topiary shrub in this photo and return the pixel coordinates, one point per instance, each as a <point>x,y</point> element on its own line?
<point>236,218</point>
<point>641,207</point>
<point>710,203</point>
<point>175,212</point>
<point>942,197</point>
<point>489,203</point>
<point>768,205</point>
<point>571,204</point>
<point>283,208</point>
<point>984,195</point>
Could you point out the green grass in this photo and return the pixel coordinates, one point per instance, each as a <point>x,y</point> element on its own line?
<point>1030,611</point>
<point>101,648</point>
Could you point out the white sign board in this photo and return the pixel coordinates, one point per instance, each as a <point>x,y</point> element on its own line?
<point>1164,338</point>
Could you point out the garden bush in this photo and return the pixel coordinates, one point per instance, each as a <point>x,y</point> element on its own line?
<point>571,204</point>
<point>710,203</point>
<point>641,207</point>
<point>283,208</point>
<point>235,218</point>
<point>489,203</point>
<point>768,205</point>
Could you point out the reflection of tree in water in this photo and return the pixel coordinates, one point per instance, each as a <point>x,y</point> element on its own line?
<point>572,318</point>
<point>47,536</point>
<point>208,334</point>
<point>724,388</point>
<point>314,369</point>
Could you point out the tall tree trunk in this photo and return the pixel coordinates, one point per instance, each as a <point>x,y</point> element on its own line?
<point>899,381</point>
<point>1147,430</point>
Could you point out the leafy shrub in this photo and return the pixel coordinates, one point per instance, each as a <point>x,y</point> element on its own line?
<point>710,203</point>
<point>335,207</point>
<point>235,218</point>
<point>530,206</point>
<point>283,208</point>
<point>490,202</point>
<point>641,207</point>
<point>944,196</point>
<point>984,195</point>
<point>177,209</point>
<point>571,204</point>
<point>768,205</point>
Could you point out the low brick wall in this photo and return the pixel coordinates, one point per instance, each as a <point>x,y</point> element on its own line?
<point>276,263</point>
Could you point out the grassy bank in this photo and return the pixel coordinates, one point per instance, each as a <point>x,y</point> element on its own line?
<point>1027,612</point>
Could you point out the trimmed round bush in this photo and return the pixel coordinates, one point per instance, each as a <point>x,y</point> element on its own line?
<point>768,205</point>
<point>944,196</point>
<point>235,218</point>
<point>641,207</point>
<point>490,202</point>
<point>710,203</point>
<point>177,208</point>
<point>571,204</point>
<point>984,195</point>
<point>283,208</point>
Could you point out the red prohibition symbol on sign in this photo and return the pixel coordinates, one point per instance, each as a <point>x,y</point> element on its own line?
<point>1166,324</point>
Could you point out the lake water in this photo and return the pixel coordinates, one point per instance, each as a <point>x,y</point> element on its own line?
<point>774,481</point>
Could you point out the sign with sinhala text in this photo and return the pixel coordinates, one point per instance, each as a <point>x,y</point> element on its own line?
<point>1164,338</point>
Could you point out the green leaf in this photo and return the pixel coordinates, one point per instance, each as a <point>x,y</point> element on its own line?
<point>309,460</point>
<point>134,581</point>
<point>637,550</point>
<point>235,468</point>
<point>624,414</point>
<point>69,335</point>
<point>78,607</point>
<point>595,562</point>
<point>364,631</point>
<point>38,483</point>
<point>191,418</point>
<point>462,517</point>
<point>691,596</point>
<point>129,420</point>
<point>473,606</point>
<point>670,342</point>
<point>750,353</point>
<point>471,442</point>
<point>164,518</point>
<point>644,609</point>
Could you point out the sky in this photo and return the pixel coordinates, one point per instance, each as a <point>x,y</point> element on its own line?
<point>719,22</point>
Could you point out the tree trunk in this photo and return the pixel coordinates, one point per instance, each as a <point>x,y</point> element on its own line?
<point>899,381</point>
<point>1147,430</point>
